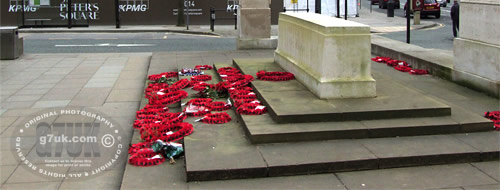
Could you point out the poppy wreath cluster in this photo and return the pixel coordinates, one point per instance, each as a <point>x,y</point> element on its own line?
<point>167,132</point>
<point>151,110</point>
<point>157,77</point>
<point>239,102</point>
<point>168,98</point>
<point>197,107</point>
<point>196,111</point>
<point>399,65</point>
<point>203,67</point>
<point>275,76</point>
<point>243,94</point>
<point>146,157</point>
<point>134,148</point>
<point>251,109</point>
<point>173,117</point>
<point>238,89</point>
<point>219,106</point>
<point>155,89</point>
<point>201,86</point>
<point>146,120</point>
<point>201,78</point>
<point>216,118</point>
<point>495,117</point>
<point>155,122</point>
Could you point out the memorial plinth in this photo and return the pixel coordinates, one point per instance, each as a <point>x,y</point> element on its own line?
<point>330,56</point>
<point>254,25</point>
<point>477,50</point>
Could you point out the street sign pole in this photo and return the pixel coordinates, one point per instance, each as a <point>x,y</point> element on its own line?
<point>338,8</point>
<point>408,6</point>
<point>187,15</point>
<point>69,14</point>
<point>117,14</point>
<point>345,11</point>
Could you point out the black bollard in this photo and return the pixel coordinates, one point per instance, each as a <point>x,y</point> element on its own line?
<point>390,8</point>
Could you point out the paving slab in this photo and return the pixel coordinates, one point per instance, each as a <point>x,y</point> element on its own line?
<point>110,179</point>
<point>420,150</point>
<point>426,177</point>
<point>6,122</point>
<point>482,187</point>
<point>316,157</point>
<point>19,124</point>
<point>23,174</point>
<point>24,98</point>
<point>5,172</point>
<point>101,83</point>
<point>488,143</point>
<point>129,84</point>
<point>61,94</point>
<point>119,109</point>
<point>125,95</point>
<point>221,152</point>
<point>69,83</point>
<point>320,181</point>
<point>51,103</point>
<point>36,185</point>
<point>300,105</point>
<point>470,121</point>
<point>262,129</point>
<point>491,168</point>
<point>90,97</point>
<point>16,104</point>
<point>20,112</point>
<point>164,176</point>
<point>412,126</point>
<point>32,91</point>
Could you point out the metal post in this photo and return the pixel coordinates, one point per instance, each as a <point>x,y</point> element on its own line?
<point>69,14</point>
<point>22,16</point>
<point>317,5</point>
<point>187,15</point>
<point>345,11</point>
<point>338,8</point>
<point>371,5</point>
<point>212,18</point>
<point>235,20</point>
<point>117,14</point>
<point>307,5</point>
<point>408,22</point>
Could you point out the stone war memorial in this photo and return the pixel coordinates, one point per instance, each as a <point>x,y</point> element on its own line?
<point>336,115</point>
<point>477,49</point>
<point>254,25</point>
<point>330,56</point>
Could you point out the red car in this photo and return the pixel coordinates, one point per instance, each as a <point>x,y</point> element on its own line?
<point>383,4</point>
<point>431,7</point>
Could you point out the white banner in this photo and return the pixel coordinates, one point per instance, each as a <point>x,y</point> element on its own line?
<point>328,7</point>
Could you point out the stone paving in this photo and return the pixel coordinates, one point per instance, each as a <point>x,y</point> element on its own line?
<point>113,84</point>
<point>110,83</point>
<point>481,175</point>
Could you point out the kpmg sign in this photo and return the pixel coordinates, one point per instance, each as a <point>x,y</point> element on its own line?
<point>133,5</point>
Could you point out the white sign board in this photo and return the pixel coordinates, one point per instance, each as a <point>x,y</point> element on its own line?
<point>328,7</point>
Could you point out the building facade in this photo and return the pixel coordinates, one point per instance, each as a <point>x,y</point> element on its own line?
<point>46,13</point>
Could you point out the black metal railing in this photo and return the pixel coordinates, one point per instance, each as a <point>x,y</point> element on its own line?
<point>213,18</point>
